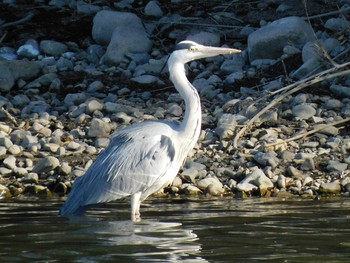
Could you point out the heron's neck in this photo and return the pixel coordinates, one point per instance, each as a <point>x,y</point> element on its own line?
<point>191,124</point>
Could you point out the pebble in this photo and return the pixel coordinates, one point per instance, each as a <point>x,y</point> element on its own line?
<point>99,128</point>
<point>46,164</point>
<point>303,111</point>
<point>212,180</point>
<point>30,178</point>
<point>53,48</point>
<point>267,159</point>
<point>254,180</point>
<point>330,188</point>
<point>152,9</point>
<point>336,24</point>
<point>10,162</point>
<point>336,166</point>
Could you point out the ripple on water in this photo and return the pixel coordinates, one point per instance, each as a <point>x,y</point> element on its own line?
<point>178,230</point>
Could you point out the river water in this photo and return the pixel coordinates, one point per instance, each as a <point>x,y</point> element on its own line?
<point>178,230</point>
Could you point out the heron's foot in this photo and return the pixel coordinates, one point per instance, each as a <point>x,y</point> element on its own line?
<point>136,217</point>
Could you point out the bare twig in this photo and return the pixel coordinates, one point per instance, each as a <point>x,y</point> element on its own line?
<point>19,21</point>
<point>200,24</point>
<point>324,75</point>
<point>343,10</point>
<point>9,116</point>
<point>302,135</point>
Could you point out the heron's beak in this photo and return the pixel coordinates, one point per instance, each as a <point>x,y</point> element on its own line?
<point>214,51</point>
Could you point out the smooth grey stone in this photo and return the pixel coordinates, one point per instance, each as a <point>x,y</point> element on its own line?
<point>303,111</point>
<point>268,42</point>
<point>153,9</point>
<point>330,188</point>
<point>53,48</point>
<point>46,164</point>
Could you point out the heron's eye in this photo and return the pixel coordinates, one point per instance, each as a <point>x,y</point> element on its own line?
<point>193,49</point>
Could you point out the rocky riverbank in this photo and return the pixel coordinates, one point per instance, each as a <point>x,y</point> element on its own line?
<point>275,118</point>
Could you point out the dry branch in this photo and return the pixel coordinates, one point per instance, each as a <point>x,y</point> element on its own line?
<point>302,135</point>
<point>295,87</point>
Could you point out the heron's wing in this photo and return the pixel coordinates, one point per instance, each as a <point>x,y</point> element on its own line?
<point>133,162</point>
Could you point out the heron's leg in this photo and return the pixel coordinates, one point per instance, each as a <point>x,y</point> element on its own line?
<point>135,206</point>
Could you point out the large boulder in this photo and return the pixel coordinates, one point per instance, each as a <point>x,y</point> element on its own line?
<point>125,40</point>
<point>268,42</point>
<point>123,33</point>
<point>12,70</point>
<point>106,21</point>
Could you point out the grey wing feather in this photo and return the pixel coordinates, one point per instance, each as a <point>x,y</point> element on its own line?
<point>135,159</point>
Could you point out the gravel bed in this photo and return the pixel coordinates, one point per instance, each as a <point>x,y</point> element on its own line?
<point>275,117</point>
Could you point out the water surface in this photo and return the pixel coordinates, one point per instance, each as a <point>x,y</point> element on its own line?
<point>177,230</point>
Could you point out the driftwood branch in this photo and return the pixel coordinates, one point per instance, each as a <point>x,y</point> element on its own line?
<point>9,116</point>
<point>19,21</point>
<point>295,87</point>
<point>304,134</point>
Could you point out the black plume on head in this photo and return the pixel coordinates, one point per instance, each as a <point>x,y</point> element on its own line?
<point>185,45</point>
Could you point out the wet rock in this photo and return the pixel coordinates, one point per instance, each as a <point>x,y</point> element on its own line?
<point>254,180</point>
<point>205,182</point>
<point>30,178</point>
<point>4,192</point>
<point>268,42</point>
<point>189,189</point>
<point>214,190</point>
<point>46,164</point>
<point>189,174</point>
<point>36,189</point>
<point>60,188</point>
<point>330,188</point>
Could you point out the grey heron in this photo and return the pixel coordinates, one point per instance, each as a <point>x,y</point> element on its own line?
<point>143,158</point>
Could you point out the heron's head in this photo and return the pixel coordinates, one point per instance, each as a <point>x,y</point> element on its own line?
<point>187,50</point>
